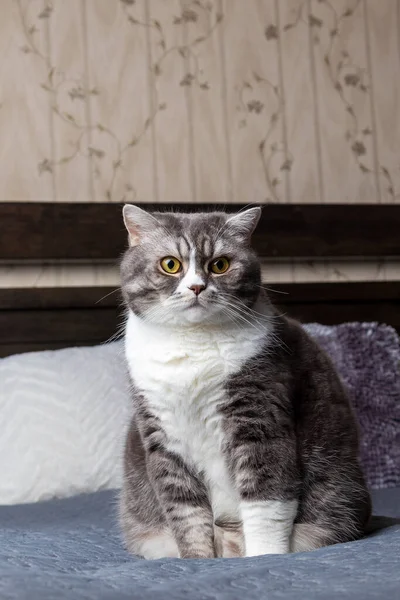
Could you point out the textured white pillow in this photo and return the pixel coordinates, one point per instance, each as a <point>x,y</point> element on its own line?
<point>63,417</point>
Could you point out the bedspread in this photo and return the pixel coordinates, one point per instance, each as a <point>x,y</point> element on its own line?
<point>70,549</point>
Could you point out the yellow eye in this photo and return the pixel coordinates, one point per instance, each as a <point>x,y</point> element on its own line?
<point>170,265</point>
<point>219,265</point>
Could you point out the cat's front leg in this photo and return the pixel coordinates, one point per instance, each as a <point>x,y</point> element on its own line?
<point>267,526</point>
<point>263,460</point>
<point>228,539</point>
<point>184,500</point>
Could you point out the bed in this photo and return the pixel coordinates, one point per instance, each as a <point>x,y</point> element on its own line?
<point>70,548</point>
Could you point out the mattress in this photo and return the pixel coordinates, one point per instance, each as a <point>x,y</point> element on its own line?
<point>71,549</point>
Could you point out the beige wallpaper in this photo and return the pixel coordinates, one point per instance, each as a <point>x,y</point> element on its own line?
<point>200,100</point>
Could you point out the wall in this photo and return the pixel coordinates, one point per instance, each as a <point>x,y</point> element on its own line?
<point>202,100</point>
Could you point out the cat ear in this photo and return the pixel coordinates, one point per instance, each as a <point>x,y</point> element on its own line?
<point>137,222</point>
<point>245,222</point>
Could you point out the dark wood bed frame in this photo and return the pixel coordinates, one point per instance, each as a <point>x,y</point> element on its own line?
<point>49,318</point>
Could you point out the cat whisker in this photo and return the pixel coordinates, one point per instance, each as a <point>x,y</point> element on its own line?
<point>247,310</point>
<point>109,294</point>
<point>153,313</point>
<point>251,310</point>
<point>118,334</point>
<point>232,315</point>
<point>237,312</point>
<point>268,289</point>
<point>268,320</point>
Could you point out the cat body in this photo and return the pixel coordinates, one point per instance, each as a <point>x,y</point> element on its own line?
<point>183,377</point>
<point>242,441</point>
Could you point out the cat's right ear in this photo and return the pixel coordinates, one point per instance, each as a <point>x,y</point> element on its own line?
<point>137,222</point>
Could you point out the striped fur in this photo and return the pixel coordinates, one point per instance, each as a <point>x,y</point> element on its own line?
<point>242,440</point>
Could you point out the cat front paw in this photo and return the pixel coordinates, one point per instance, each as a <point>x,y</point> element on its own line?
<point>229,540</point>
<point>260,548</point>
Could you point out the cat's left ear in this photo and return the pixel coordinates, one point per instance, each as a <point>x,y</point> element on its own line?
<point>137,222</point>
<point>245,222</point>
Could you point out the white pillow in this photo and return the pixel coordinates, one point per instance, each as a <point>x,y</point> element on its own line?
<point>63,418</point>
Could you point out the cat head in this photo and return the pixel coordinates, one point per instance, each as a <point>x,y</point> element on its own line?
<point>186,268</point>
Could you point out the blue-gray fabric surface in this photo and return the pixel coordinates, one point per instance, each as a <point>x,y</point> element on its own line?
<point>70,550</point>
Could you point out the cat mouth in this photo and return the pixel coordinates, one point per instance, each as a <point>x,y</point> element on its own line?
<point>195,303</point>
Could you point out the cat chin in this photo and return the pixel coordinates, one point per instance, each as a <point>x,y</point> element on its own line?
<point>194,314</point>
<point>198,315</point>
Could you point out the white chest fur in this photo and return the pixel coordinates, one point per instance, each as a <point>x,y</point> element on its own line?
<point>182,373</point>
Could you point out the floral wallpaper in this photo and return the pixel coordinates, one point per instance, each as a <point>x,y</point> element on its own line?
<point>225,101</point>
<point>191,100</point>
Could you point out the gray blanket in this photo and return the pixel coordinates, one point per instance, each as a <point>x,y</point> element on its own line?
<point>70,550</point>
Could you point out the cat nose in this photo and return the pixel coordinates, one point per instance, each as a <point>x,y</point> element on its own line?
<point>197,288</point>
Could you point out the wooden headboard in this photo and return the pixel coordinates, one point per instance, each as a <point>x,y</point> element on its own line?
<point>48,318</point>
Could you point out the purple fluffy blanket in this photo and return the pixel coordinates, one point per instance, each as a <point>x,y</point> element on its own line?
<point>367,357</point>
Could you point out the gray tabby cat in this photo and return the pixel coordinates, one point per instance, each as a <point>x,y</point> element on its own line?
<point>242,441</point>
